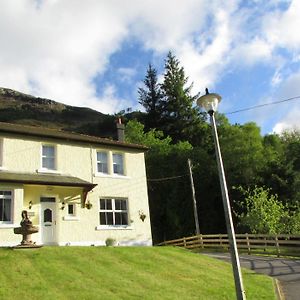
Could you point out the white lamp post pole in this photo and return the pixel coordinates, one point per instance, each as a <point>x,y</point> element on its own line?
<point>210,103</point>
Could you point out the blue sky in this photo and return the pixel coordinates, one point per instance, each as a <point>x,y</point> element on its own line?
<point>95,53</point>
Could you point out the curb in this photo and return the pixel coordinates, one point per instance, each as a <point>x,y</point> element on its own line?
<point>278,290</point>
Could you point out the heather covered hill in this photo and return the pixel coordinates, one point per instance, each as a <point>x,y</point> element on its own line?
<point>20,108</point>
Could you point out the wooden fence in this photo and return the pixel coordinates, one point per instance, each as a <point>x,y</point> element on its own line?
<point>282,244</point>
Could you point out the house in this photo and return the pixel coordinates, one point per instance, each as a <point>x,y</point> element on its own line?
<point>77,189</point>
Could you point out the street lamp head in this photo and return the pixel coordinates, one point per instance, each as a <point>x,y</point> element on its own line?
<point>209,102</point>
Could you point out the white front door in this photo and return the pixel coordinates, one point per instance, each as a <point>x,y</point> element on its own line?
<point>48,220</point>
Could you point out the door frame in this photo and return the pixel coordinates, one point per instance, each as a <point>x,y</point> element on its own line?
<point>53,205</point>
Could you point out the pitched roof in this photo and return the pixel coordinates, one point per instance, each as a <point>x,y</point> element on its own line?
<point>64,135</point>
<point>45,179</point>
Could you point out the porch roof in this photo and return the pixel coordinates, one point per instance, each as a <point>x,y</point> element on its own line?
<point>45,179</point>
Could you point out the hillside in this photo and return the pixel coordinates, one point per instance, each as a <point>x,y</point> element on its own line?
<point>16,107</point>
<point>121,273</point>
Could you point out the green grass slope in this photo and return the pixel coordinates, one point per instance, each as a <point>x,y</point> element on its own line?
<point>121,273</point>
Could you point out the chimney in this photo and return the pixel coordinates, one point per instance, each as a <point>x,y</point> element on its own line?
<point>120,130</point>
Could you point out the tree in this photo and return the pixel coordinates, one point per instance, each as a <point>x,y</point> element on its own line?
<point>264,213</point>
<point>178,114</point>
<point>282,167</point>
<point>170,209</point>
<point>150,97</point>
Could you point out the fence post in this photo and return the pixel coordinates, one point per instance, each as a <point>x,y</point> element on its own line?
<point>277,246</point>
<point>184,242</point>
<point>201,239</point>
<point>248,244</point>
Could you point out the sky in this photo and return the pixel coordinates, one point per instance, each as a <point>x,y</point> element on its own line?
<point>95,53</point>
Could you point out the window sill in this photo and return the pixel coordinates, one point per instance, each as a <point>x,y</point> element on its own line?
<point>70,218</point>
<point>114,176</point>
<point>106,227</point>
<point>8,225</point>
<point>48,171</point>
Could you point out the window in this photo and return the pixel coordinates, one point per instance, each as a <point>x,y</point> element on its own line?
<point>118,164</point>
<point>102,162</point>
<point>1,152</point>
<point>113,212</point>
<point>71,209</point>
<point>48,157</point>
<point>47,215</point>
<point>5,206</point>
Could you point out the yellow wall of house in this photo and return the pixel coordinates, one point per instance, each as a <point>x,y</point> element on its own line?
<point>24,155</point>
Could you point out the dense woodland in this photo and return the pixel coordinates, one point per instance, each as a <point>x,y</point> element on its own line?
<point>263,172</point>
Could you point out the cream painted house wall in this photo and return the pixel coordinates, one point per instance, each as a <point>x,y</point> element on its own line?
<point>23,155</point>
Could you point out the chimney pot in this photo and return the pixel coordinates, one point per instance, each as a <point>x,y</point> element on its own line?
<point>120,130</point>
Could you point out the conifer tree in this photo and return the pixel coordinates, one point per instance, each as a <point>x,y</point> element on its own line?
<point>177,111</point>
<point>150,97</point>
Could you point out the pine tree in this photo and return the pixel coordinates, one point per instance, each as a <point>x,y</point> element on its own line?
<point>150,97</point>
<point>177,111</point>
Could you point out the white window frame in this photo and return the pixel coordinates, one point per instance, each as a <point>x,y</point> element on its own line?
<point>54,158</point>
<point>1,154</point>
<point>99,161</point>
<point>74,209</point>
<point>115,163</point>
<point>11,197</point>
<point>114,211</point>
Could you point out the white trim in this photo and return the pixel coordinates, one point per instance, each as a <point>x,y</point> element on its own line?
<point>71,218</point>
<point>122,155</point>
<point>107,162</point>
<point>9,244</point>
<point>1,152</point>
<point>55,219</point>
<point>55,156</point>
<point>82,243</point>
<point>74,214</point>
<point>147,243</point>
<point>114,176</point>
<point>12,208</point>
<point>43,170</point>
<point>8,225</point>
<point>142,243</point>
<point>114,227</point>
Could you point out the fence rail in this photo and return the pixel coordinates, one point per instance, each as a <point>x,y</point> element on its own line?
<point>282,244</point>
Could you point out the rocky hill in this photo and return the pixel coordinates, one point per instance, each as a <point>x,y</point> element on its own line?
<point>16,107</point>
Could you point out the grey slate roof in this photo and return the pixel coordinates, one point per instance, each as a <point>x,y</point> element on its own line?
<point>43,132</point>
<point>45,179</point>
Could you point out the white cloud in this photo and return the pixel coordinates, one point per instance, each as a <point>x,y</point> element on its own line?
<point>55,49</point>
<point>276,79</point>
<point>289,89</point>
<point>254,51</point>
<point>127,73</point>
<point>281,28</point>
<point>291,122</point>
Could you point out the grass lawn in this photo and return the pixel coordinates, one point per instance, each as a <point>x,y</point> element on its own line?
<point>121,273</point>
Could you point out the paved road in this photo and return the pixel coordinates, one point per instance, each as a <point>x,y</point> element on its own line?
<point>287,271</point>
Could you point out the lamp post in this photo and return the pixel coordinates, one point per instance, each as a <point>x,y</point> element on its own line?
<point>210,103</point>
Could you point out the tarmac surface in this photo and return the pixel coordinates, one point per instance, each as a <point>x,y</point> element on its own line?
<point>287,271</point>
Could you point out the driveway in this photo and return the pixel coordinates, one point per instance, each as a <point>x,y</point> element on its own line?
<point>287,271</point>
